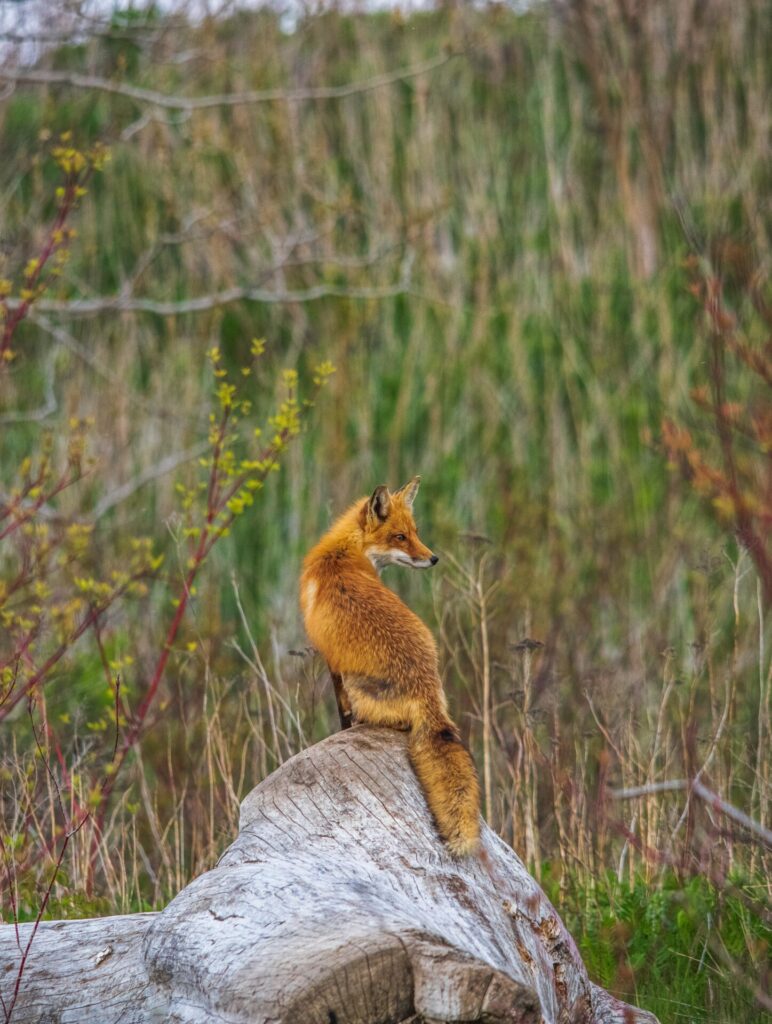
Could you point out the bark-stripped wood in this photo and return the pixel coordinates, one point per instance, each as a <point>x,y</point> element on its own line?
<point>336,904</point>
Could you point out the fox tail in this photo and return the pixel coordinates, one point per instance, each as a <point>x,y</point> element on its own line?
<point>447,774</point>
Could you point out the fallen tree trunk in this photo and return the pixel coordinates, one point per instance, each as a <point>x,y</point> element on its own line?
<point>336,904</point>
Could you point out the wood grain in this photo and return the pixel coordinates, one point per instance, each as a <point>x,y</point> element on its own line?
<point>336,904</point>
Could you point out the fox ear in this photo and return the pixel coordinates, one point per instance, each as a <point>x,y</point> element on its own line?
<point>379,504</point>
<point>409,490</point>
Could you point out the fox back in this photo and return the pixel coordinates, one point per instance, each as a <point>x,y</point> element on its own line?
<point>352,618</point>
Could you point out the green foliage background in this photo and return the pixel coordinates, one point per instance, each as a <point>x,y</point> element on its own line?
<point>514,354</point>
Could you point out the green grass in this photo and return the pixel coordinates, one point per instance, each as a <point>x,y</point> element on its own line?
<point>658,943</point>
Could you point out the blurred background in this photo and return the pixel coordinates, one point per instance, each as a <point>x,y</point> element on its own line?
<point>533,241</point>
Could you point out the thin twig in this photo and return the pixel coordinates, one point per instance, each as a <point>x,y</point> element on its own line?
<point>41,76</point>
<point>39,917</point>
<point>257,665</point>
<point>204,303</point>
<point>162,468</point>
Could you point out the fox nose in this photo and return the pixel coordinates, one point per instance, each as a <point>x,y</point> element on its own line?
<point>434,559</point>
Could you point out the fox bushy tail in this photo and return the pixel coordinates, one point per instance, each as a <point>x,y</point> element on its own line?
<point>447,774</point>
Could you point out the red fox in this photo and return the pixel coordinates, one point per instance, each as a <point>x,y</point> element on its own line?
<point>383,658</point>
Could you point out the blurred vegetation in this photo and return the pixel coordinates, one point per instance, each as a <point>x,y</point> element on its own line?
<point>667,949</point>
<point>498,255</point>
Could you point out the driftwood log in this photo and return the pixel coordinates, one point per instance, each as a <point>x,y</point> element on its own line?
<point>336,904</point>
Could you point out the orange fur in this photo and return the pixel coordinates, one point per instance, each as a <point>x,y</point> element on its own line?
<point>386,655</point>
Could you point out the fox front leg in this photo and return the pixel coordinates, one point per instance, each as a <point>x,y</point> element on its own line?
<point>345,713</point>
<point>378,702</point>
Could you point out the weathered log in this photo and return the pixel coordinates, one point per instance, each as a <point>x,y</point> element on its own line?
<point>336,904</point>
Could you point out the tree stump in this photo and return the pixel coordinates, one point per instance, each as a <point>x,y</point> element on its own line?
<point>336,904</point>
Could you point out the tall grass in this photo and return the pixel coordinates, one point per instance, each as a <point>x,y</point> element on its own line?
<point>521,361</point>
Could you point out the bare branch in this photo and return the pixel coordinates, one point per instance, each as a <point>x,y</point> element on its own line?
<point>203,303</point>
<point>40,76</point>
<point>668,786</point>
<point>68,341</point>
<point>674,785</point>
<point>42,412</point>
<point>171,462</point>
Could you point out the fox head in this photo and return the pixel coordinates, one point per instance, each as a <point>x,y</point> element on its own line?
<point>389,531</point>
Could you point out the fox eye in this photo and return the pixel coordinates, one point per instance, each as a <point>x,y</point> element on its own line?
<point>399,536</point>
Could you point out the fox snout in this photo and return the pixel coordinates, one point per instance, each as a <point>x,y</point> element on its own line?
<point>415,554</point>
<point>423,560</point>
<point>389,535</point>
<point>414,559</point>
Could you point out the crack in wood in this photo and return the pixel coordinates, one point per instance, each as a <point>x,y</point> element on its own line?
<point>337,901</point>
